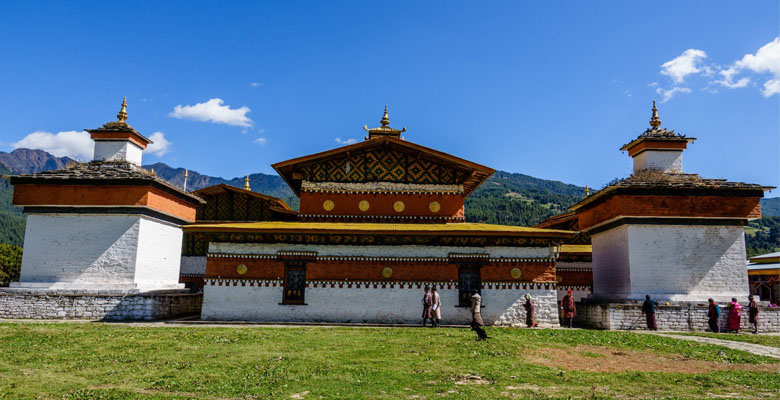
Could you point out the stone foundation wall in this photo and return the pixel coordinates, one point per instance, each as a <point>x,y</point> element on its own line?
<point>54,305</point>
<point>674,317</point>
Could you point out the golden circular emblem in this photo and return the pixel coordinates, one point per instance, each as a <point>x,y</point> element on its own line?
<point>241,269</point>
<point>387,272</point>
<point>363,205</point>
<point>516,273</point>
<point>434,206</point>
<point>399,206</point>
<point>328,205</point>
<point>558,279</point>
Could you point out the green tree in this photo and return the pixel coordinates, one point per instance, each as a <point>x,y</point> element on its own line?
<point>10,263</point>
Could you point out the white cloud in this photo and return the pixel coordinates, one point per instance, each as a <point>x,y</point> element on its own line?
<point>255,85</point>
<point>668,94</point>
<point>161,145</point>
<point>73,144</point>
<point>261,141</point>
<point>689,62</point>
<point>346,141</point>
<point>213,111</point>
<point>765,60</point>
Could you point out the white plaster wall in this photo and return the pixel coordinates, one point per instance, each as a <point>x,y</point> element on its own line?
<point>117,150</point>
<point>369,305</point>
<point>666,161</point>
<point>687,263</point>
<point>379,251</point>
<point>611,276</point>
<point>159,254</point>
<point>98,251</point>
<point>193,265</point>
<point>85,249</point>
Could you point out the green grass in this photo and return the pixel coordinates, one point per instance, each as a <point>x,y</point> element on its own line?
<point>766,340</point>
<point>117,361</point>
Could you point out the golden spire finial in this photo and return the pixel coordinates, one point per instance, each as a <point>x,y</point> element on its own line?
<point>587,191</point>
<point>655,122</point>
<point>246,183</point>
<point>385,119</point>
<point>122,116</point>
<point>186,172</point>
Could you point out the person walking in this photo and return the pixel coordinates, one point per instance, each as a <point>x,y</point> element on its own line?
<point>427,301</point>
<point>530,321</point>
<point>648,309</point>
<point>713,316</point>
<point>568,309</point>
<point>735,316</point>
<point>753,313</point>
<point>476,315</point>
<point>436,307</point>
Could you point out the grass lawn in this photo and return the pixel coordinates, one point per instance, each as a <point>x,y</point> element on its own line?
<point>118,361</point>
<point>766,340</point>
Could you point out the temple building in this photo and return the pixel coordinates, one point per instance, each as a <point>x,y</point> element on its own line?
<point>764,276</point>
<point>378,221</point>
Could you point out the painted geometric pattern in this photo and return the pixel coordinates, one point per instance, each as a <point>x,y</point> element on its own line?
<point>229,206</point>
<point>382,165</point>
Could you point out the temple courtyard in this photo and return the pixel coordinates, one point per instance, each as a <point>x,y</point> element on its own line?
<point>80,360</point>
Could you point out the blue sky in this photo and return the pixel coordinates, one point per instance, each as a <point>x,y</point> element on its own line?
<point>549,89</point>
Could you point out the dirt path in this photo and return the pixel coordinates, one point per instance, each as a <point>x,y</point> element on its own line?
<point>756,349</point>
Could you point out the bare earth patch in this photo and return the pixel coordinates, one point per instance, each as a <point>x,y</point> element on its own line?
<point>581,358</point>
<point>472,380</point>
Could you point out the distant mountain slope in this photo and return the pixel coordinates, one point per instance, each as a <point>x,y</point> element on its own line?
<point>770,207</point>
<point>28,161</point>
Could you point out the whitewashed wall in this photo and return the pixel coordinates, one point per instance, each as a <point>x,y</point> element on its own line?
<point>117,150</point>
<point>666,161</point>
<point>680,263</point>
<point>159,255</point>
<point>92,251</point>
<point>193,265</point>
<point>611,275</point>
<point>369,305</point>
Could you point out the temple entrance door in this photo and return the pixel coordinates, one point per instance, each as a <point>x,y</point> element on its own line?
<point>468,278</point>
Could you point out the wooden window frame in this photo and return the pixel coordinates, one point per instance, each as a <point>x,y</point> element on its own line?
<point>294,299</point>
<point>468,268</point>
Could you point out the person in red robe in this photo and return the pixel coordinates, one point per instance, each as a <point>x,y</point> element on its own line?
<point>735,316</point>
<point>427,304</point>
<point>530,308</point>
<point>568,309</point>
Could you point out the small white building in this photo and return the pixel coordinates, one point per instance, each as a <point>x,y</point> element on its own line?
<point>103,225</point>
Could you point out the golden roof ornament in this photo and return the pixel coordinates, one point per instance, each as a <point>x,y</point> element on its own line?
<point>587,191</point>
<point>384,130</point>
<point>655,122</point>
<point>246,183</point>
<point>122,115</point>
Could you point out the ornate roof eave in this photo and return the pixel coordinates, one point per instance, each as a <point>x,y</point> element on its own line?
<point>479,173</point>
<point>216,189</point>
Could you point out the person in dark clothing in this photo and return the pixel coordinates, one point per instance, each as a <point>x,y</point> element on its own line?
<point>753,313</point>
<point>530,308</point>
<point>568,309</point>
<point>427,304</point>
<point>713,316</point>
<point>648,309</point>
<point>476,315</point>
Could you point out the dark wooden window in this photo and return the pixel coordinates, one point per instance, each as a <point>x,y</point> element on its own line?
<point>468,278</point>
<point>294,283</point>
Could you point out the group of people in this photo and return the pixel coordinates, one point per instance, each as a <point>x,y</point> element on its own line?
<point>432,311</point>
<point>734,319</point>
<point>713,315</point>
